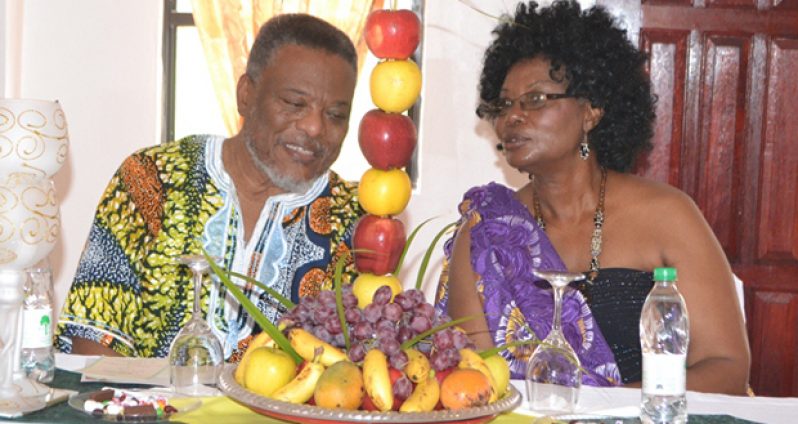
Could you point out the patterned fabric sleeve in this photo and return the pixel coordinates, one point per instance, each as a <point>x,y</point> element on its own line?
<point>103,303</point>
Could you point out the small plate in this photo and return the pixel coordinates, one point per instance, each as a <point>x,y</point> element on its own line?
<point>182,403</point>
<point>309,414</point>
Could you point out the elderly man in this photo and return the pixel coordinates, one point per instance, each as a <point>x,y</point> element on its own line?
<point>263,201</point>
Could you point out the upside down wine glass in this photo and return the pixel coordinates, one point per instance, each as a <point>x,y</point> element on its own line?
<point>553,375</point>
<point>195,357</point>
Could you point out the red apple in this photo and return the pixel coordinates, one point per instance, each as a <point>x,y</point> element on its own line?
<point>383,238</point>
<point>368,404</point>
<point>392,34</point>
<point>387,139</point>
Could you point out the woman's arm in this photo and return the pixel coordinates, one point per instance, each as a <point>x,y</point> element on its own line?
<point>81,346</point>
<point>463,297</point>
<point>719,358</point>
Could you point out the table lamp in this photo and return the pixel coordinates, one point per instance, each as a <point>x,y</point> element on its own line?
<point>33,146</point>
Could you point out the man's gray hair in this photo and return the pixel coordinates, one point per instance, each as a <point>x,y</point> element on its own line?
<point>302,30</point>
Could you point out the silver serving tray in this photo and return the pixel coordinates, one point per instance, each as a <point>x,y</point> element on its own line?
<point>311,413</point>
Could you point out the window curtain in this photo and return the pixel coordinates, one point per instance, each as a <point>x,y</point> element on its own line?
<point>227,29</point>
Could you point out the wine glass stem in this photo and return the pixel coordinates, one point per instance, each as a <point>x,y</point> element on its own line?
<point>197,292</point>
<point>557,325</point>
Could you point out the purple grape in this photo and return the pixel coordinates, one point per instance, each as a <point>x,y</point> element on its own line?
<point>404,334</point>
<point>362,331</point>
<point>349,300</point>
<point>322,333</point>
<point>327,298</point>
<point>353,315</point>
<point>372,313</point>
<point>382,296</point>
<point>392,312</point>
<point>346,289</point>
<point>404,301</point>
<point>384,323</point>
<point>420,324</point>
<point>386,333</point>
<point>389,346</point>
<point>459,339</point>
<point>356,352</point>
<point>424,347</point>
<point>452,357</point>
<point>425,310</point>
<point>443,340</point>
<point>302,313</point>
<point>333,326</point>
<point>416,295</point>
<point>398,360</point>
<point>438,360</point>
<point>402,387</point>
<point>338,340</point>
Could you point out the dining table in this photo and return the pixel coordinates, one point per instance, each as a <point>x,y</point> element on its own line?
<point>618,405</point>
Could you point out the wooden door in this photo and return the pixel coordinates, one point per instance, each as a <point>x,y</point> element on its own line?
<point>726,73</point>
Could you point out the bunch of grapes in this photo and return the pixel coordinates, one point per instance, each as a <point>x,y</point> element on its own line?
<point>382,325</point>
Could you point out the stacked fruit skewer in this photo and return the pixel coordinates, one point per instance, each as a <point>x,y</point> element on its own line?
<point>371,345</point>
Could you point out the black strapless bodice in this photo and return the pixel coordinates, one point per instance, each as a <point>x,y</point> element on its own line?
<point>616,299</point>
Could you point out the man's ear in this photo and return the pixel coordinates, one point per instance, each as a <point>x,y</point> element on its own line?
<point>245,94</point>
<point>592,117</point>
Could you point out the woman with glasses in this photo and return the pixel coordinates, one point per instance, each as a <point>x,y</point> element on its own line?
<point>571,104</point>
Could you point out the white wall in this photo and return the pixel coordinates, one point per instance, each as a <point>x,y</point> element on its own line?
<point>102,58</point>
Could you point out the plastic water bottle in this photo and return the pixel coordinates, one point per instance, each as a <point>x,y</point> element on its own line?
<point>664,337</point>
<point>38,357</point>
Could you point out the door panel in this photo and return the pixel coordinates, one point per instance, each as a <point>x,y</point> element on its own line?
<point>726,75</point>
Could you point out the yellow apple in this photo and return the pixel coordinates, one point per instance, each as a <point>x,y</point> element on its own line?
<point>384,193</point>
<point>366,284</point>
<point>395,85</point>
<point>500,370</point>
<point>268,369</point>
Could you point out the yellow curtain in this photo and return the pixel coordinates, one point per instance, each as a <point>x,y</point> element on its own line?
<point>228,27</point>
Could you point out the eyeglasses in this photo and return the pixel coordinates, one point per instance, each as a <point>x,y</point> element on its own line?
<point>532,100</point>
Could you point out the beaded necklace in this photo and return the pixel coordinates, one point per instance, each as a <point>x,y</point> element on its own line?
<point>598,223</point>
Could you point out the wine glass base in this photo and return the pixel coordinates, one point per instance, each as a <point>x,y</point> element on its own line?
<point>22,396</point>
<point>552,399</point>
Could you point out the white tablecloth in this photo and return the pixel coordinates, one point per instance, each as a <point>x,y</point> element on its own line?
<point>624,402</point>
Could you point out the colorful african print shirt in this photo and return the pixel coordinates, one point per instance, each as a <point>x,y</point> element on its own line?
<point>130,291</point>
<point>506,245</point>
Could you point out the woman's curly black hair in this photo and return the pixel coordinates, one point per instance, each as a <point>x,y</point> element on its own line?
<point>600,63</point>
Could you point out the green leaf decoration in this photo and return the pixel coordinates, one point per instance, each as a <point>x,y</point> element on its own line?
<point>424,263</point>
<point>273,293</point>
<point>253,310</point>
<point>492,351</point>
<point>407,246</point>
<point>339,295</point>
<point>412,342</point>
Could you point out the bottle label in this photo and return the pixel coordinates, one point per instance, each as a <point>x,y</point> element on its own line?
<point>37,329</point>
<point>664,374</point>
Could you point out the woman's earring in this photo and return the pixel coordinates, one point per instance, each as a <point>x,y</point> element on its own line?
<point>584,149</point>
<point>499,147</point>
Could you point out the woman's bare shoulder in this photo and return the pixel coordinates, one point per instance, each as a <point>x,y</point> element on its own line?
<point>655,203</point>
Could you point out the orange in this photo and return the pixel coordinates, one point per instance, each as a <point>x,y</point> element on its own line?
<point>384,193</point>
<point>395,85</point>
<point>465,388</point>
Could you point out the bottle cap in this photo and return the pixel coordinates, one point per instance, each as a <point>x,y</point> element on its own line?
<point>664,274</point>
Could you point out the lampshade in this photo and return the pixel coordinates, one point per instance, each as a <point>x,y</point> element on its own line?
<point>33,137</point>
<point>29,220</point>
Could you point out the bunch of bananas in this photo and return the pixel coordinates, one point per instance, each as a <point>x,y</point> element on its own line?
<point>328,378</point>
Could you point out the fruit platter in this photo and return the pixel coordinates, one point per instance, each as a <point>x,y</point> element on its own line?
<point>392,358</point>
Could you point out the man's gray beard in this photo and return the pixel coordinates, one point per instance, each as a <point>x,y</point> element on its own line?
<point>283,182</point>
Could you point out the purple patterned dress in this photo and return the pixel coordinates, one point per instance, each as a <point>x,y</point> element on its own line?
<point>506,245</point>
